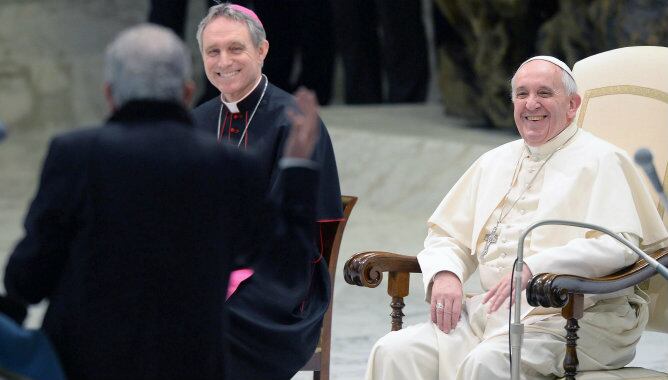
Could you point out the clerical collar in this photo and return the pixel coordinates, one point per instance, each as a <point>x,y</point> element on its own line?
<point>248,101</point>
<point>539,153</point>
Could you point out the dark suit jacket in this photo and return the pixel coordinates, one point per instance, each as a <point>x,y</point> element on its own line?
<point>131,237</point>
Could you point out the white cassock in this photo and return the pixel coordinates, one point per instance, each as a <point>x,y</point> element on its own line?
<point>586,180</point>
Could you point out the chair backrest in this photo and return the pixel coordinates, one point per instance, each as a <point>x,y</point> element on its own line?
<point>625,101</point>
<point>331,234</point>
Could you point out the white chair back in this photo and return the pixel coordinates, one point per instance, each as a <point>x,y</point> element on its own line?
<point>625,101</point>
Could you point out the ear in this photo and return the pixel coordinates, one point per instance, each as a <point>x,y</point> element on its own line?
<point>109,97</point>
<point>573,105</point>
<point>188,92</point>
<point>263,49</point>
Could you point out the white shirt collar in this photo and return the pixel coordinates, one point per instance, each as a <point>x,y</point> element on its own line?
<point>540,152</point>
<point>233,106</point>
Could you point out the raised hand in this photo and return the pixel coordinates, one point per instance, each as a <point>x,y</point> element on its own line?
<point>305,125</point>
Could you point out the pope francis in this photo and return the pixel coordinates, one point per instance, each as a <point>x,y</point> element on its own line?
<point>555,171</point>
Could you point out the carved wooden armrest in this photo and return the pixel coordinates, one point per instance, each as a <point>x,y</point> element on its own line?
<point>551,290</point>
<point>566,292</point>
<point>366,269</point>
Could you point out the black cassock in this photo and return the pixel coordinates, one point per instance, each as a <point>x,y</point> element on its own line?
<point>276,315</point>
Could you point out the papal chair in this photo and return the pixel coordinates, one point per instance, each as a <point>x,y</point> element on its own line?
<point>624,101</point>
<point>330,242</point>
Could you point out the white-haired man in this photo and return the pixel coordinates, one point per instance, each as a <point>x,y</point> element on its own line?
<point>555,171</point>
<point>136,223</point>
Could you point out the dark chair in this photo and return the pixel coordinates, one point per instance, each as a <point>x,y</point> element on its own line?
<point>332,233</point>
<point>624,101</point>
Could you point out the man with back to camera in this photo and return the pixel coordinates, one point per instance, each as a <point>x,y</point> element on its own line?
<point>556,171</point>
<point>277,311</point>
<point>136,223</point>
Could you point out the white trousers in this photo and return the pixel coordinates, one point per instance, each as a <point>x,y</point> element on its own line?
<point>608,333</point>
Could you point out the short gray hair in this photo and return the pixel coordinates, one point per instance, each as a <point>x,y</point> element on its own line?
<point>147,62</point>
<point>226,10</point>
<point>566,78</point>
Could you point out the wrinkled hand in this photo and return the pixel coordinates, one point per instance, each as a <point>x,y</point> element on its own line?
<point>305,128</point>
<point>501,291</point>
<point>446,291</point>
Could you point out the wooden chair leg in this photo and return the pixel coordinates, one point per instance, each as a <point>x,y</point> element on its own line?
<point>397,288</point>
<point>572,312</point>
<point>397,313</point>
<point>325,347</point>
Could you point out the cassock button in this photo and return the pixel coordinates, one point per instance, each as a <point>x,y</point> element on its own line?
<point>234,130</point>
<point>235,116</point>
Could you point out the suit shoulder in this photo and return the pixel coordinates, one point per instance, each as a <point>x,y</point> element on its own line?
<point>280,100</point>
<point>277,101</point>
<point>205,115</point>
<point>279,96</point>
<point>206,107</point>
<point>77,136</point>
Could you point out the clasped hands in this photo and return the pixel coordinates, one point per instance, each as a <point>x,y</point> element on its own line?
<point>446,297</point>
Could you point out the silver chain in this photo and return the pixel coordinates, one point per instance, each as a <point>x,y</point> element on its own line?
<point>243,134</point>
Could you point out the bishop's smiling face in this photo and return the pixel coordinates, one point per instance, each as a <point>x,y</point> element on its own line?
<point>542,109</point>
<point>233,64</point>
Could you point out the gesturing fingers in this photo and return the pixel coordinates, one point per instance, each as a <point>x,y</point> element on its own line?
<point>491,293</point>
<point>305,125</point>
<point>498,294</point>
<point>501,292</point>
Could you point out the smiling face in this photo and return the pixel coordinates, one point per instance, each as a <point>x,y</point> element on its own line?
<point>542,109</point>
<point>233,64</point>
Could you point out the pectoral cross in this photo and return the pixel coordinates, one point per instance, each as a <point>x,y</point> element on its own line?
<point>490,239</point>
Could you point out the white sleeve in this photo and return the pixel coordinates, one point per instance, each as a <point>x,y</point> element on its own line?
<point>442,252</point>
<point>595,256</point>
